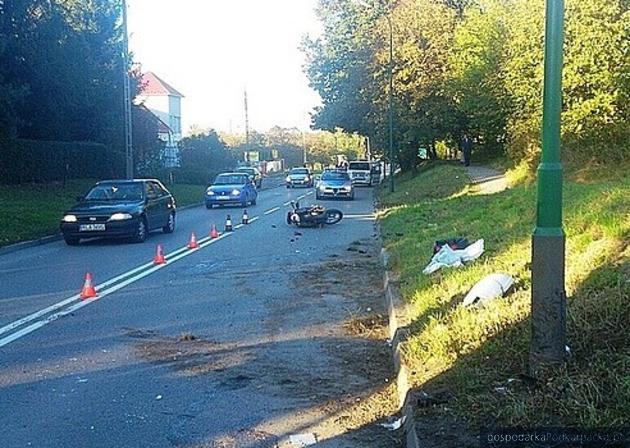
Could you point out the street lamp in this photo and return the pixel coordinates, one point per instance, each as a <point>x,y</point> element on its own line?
<point>127,97</point>
<point>548,343</point>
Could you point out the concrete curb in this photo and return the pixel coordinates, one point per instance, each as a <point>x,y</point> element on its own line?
<point>32,243</point>
<point>397,315</point>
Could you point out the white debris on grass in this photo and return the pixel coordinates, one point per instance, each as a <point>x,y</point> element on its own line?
<point>488,288</point>
<point>447,257</point>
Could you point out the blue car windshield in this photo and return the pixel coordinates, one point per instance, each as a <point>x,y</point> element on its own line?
<point>115,192</point>
<point>230,179</point>
<point>335,176</point>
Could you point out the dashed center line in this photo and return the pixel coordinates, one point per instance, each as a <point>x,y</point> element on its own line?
<point>270,211</point>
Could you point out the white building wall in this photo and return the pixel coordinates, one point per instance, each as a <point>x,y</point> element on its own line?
<point>175,116</point>
<point>159,105</point>
<point>169,110</point>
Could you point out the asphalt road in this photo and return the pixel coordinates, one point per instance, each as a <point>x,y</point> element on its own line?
<point>234,344</point>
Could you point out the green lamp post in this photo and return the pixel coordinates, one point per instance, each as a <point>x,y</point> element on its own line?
<point>390,111</point>
<point>548,341</point>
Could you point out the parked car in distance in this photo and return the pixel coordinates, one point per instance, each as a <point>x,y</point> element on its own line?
<point>335,184</point>
<point>299,177</point>
<point>254,175</point>
<point>120,209</point>
<point>360,172</point>
<point>230,189</point>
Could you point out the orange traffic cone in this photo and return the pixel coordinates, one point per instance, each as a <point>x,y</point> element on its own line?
<point>245,217</point>
<point>88,291</point>
<point>193,244</point>
<point>159,256</point>
<point>213,232</point>
<point>228,224</point>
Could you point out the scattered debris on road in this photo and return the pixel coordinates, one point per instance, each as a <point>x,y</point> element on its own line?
<point>395,424</point>
<point>302,440</point>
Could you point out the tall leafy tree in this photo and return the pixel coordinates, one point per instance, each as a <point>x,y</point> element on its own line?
<point>477,75</point>
<point>339,66</point>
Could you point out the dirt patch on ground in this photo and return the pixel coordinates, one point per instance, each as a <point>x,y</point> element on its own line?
<point>324,345</point>
<point>370,327</point>
<point>364,393</point>
<point>240,439</point>
<point>187,353</point>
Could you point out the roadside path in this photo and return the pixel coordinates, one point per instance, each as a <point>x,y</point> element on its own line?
<point>486,180</point>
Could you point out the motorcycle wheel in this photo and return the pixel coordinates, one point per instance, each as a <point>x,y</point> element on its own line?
<point>333,216</point>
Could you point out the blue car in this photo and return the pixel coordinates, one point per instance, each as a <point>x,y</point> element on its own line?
<point>231,189</point>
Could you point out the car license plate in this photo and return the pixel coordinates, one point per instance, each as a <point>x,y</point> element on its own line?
<point>91,227</point>
<point>223,198</point>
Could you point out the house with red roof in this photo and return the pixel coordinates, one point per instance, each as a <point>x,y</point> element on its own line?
<point>165,102</point>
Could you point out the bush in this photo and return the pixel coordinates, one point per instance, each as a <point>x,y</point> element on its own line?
<point>187,176</point>
<point>25,161</point>
<point>193,177</point>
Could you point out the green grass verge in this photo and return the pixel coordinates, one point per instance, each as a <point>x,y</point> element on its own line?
<point>474,353</point>
<point>33,211</point>
<point>187,194</point>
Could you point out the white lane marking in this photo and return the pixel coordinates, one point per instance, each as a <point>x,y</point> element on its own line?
<point>287,203</point>
<point>273,210</point>
<point>30,317</point>
<point>61,304</point>
<point>367,215</point>
<point>53,317</point>
<point>309,193</point>
<point>238,226</point>
<point>301,197</point>
<point>102,291</point>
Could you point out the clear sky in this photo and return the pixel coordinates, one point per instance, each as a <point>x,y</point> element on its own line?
<point>211,50</point>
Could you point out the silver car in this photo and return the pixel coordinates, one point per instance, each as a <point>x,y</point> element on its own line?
<point>335,184</point>
<point>300,177</point>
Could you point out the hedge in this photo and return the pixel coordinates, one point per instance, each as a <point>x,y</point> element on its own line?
<point>26,161</point>
<point>187,176</point>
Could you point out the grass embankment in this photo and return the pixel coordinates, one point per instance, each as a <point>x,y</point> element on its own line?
<point>477,357</point>
<point>33,211</point>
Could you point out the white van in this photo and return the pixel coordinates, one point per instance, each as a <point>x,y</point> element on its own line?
<point>378,172</point>
<point>360,172</point>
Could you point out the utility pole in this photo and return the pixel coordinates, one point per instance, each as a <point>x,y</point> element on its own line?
<point>127,98</point>
<point>548,343</point>
<point>304,147</point>
<point>246,124</point>
<point>391,101</point>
